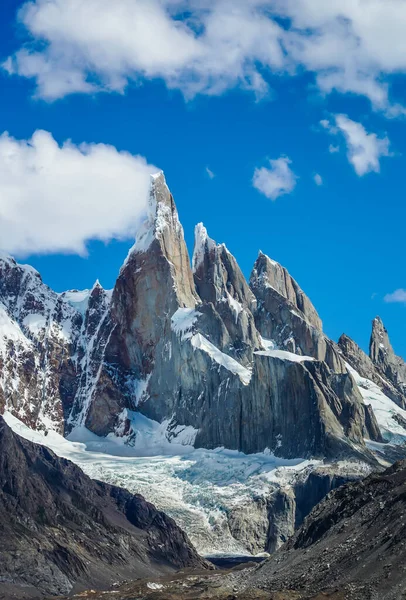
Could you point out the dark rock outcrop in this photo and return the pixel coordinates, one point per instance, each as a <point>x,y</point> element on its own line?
<point>350,546</point>
<point>60,530</point>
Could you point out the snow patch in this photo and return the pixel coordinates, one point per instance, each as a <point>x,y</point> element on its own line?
<point>183,322</point>
<point>384,408</point>
<point>36,323</point>
<point>79,300</point>
<point>283,355</point>
<point>9,329</point>
<point>201,343</point>
<point>235,306</point>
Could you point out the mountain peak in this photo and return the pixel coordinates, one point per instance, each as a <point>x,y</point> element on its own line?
<point>268,273</point>
<point>203,244</point>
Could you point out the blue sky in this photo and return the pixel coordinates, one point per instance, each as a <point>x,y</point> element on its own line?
<point>342,240</point>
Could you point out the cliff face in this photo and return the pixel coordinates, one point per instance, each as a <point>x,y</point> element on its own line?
<point>60,530</point>
<point>243,366</point>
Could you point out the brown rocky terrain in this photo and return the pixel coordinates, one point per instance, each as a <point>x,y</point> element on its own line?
<point>62,531</point>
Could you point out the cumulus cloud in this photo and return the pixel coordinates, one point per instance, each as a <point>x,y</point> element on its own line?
<point>54,198</point>
<point>364,150</point>
<point>209,46</point>
<point>397,296</point>
<point>318,180</point>
<point>276,181</point>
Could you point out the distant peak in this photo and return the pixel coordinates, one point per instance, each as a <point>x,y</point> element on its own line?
<point>264,258</point>
<point>203,244</point>
<point>160,209</point>
<point>158,177</point>
<point>97,284</point>
<point>11,262</point>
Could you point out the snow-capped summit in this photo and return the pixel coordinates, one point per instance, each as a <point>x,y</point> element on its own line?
<point>203,245</point>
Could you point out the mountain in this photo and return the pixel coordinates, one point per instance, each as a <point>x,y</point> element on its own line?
<point>62,531</point>
<point>350,546</point>
<point>242,365</point>
<point>192,353</point>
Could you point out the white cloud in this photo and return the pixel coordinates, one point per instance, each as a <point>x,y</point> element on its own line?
<point>397,296</point>
<point>364,149</point>
<point>333,149</point>
<point>318,180</point>
<point>55,198</point>
<point>352,46</point>
<point>276,181</point>
<point>210,173</point>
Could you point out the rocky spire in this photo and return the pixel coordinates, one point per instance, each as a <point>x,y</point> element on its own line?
<point>285,315</point>
<point>156,278</point>
<point>155,281</point>
<point>220,282</point>
<point>161,233</point>
<point>384,358</point>
<point>216,272</point>
<point>364,366</point>
<point>269,273</point>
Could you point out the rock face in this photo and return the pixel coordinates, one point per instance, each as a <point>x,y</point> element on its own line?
<point>285,314</point>
<point>51,346</point>
<point>350,546</point>
<point>382,366</point>
<point>267,523</point>
<point>60,530</point>
<point>223,363</point>
<point>390,366</point>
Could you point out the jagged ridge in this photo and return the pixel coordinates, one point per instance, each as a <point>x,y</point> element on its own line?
<point>247,366</point>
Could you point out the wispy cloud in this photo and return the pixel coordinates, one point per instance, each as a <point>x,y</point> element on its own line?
<point>276,181</point>
<point>333,149</point>
<point>318,180</point>
<point>398,296</point>
<point>210,173</point>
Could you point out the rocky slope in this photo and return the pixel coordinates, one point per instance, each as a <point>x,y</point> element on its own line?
<point>235,365</point>
<point>60,530</point>
<point>351,545</point>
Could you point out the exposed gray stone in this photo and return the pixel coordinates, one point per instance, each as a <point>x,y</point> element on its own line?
<point>390,366</point>
<point>284,314</point>
<point>361,362</point>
